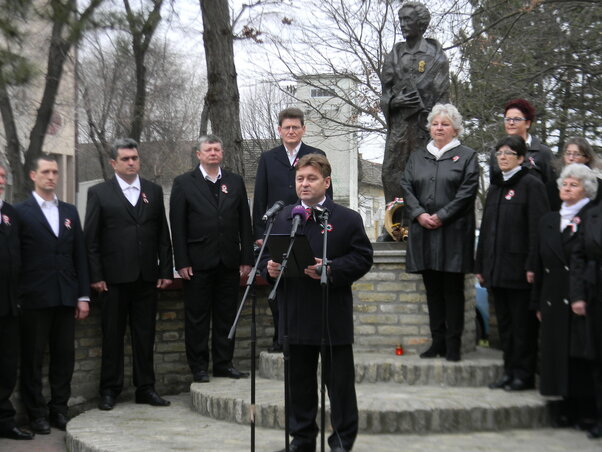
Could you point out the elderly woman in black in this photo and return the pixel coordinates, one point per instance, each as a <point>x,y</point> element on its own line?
<point>586,295</point>
<point>516,200</point>
<point>440,185</point>
<point>564,369</point>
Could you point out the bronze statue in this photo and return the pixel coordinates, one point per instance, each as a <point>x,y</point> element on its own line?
<point>415,77</point>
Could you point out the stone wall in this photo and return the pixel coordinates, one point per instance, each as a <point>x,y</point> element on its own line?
<point>390,306</point>
<point>390,310</point>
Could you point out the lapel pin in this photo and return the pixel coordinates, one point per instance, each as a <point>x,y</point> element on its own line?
<point>144,198</point>
<point>509,195</point>
<point>68,223</point>
<point>224,188</point>
<point>455,158</point>
<point>6,220</point>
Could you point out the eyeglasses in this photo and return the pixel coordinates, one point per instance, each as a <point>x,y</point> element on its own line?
<point>514,119</point>
<point>507,153</point>
<point>574,154</point>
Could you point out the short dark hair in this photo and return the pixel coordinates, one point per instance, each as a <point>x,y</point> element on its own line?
<point>514,142</point>
<point>211,139</point>
<point>122,143</point>
<point>46,157</point>
<point>524,106</point>
<point>422,13</point>
<point>291,113</point>
<point>318,161</point>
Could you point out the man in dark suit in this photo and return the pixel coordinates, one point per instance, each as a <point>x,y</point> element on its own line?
<point>275,180</point>
<point>10,261</point>
<point>349,258</point>
<point>53,292</point>
<point>211,231</point>
<point>130,258</point>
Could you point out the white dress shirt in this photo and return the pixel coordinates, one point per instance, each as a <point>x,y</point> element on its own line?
<point>50,209</point>
<point>208,177</point>
<point>130,191</point>
<point>292,155</point>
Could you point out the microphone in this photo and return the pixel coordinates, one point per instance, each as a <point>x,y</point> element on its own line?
<point>299,216</point>
<point>272,211</point>
<point>320,212</point>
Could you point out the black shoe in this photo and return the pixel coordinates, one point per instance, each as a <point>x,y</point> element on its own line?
<point>231,372</point>
<point>15,433</point>
<point>107,402</point>
<point>595,432</point>
<point>201,376</point>
<point>518,384</point>
<point>58,421</point>
<point>275,348</point>
<point>433,351</point>
<point>151,398</point>
<point>503,381</point>
<point>301,448</point>
<point>40,425</point>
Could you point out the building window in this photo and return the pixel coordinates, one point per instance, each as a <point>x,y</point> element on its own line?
<point>322,92</point>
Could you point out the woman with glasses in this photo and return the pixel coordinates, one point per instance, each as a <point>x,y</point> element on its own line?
<point>505,259</point>
<point>578,150</point>
<point>439,187</point>
<point>519,116</point>
<point>565,367</point>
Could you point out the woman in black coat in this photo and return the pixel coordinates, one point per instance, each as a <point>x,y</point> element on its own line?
<point>564,368</point>
<point>586,295</point>
<point>440,185</point>
<point>516,200</point>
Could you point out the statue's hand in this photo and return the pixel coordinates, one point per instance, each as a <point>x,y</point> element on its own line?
<point>406,100</point>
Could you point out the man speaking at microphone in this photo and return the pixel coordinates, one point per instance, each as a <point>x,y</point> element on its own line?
<point>349,258</point>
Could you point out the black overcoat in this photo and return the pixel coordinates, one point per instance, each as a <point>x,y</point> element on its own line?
<point>506,248</point>
<point>125,242</point>
<point>446,187</point>
<point>10,259</point>
<point>586,274</point>
<point>275,181</point>
<point>350,255</point>
<point>551,299</point>
<point>54,270</point>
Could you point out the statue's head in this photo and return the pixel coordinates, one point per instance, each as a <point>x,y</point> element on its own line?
<point>414,18</point>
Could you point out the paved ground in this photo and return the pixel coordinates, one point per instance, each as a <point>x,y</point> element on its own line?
<point>139,428</point>
<point>55,442</point>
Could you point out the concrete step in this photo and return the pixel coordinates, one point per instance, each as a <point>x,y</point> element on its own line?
<point>384,407</point>
<point>142,428</point>
<point>476,369</point>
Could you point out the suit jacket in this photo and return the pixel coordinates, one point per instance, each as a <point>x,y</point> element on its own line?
<point>54,270</point>
<point>10,259</point>
<point>275,181</point>
<point>350,255</point>
<point>125,242</point>
<point>207,232</point>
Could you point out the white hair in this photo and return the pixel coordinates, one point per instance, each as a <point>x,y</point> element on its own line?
<point>582,173</point>
<point>450,112</point>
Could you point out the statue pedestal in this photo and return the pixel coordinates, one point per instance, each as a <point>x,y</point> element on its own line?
<point>390,306</point>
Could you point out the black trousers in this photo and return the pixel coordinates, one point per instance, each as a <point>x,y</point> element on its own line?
<point>9,340</point>
<point>517,326</point>
<point>134,303</point>
<point>54,327</point>
<point>445,300</point>
<point>340,381</point>
<point>210,299</point>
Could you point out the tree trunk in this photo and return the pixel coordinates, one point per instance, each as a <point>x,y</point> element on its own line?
<point>223,98</point>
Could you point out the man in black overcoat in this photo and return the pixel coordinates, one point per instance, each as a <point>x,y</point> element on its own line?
<point>213,249</point>
<point>10,261</point>
<point>275,180</point>
<point>349,258</point>
<point>53,292</point>
<point>129,249</point>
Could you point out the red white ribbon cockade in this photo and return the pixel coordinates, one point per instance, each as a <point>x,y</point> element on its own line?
<point>144,198</point>
<point>6,220</point>
<point>510,195</point>
<point>68,223</point>
<point>455,158</point>
<point>224,188</point>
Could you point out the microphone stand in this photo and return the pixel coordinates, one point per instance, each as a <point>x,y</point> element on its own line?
<point>285,343</point>
<point>324,285</point>
<point>251,288</point>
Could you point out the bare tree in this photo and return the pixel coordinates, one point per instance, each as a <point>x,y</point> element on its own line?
<point>67,26</point>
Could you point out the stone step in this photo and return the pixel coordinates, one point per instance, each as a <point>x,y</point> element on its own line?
<point>142,428</point>
<point>384,407</point>
<point>478,368</point>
